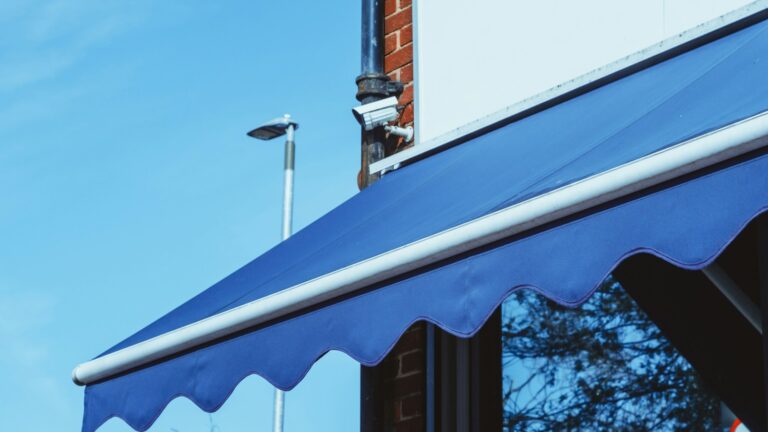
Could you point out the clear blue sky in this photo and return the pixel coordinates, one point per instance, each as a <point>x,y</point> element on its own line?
<point>128,184</point>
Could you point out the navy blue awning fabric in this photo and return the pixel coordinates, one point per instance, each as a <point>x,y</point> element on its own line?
<point>687,223</point>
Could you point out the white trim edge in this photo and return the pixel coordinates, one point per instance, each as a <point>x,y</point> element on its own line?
<point>705,150</point>
<point>394,161</point>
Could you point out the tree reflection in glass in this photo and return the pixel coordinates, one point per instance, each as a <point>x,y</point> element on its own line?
<point>603,366</point>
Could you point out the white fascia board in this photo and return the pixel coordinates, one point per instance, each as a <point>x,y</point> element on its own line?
<point>666,46</point>
<point>684,158</point>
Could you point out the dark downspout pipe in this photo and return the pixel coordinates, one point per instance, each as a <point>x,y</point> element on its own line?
<point>372,56</point>
<point>373,84</point>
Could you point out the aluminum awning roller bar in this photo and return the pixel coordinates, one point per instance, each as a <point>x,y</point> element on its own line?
<point>700,152</point>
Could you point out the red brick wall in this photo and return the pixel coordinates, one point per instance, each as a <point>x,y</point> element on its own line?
<point>402,383</point>
<point>398,57</point>
<point>402,374</point>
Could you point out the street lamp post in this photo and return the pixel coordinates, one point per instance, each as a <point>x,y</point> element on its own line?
<point>273,129</point>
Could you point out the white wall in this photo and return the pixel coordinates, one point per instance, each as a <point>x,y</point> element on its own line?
<point>475,58</point>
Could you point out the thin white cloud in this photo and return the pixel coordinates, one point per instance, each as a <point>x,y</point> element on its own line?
<point>25,317</point>
<point>47,38</point>
<point>24,311</point>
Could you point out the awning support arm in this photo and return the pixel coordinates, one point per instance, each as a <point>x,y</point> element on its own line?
<point>735,295</point>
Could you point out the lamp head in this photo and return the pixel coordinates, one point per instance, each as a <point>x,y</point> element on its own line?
<point>273,128</point>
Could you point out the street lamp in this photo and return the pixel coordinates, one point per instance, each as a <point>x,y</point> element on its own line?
<point>278,127</point>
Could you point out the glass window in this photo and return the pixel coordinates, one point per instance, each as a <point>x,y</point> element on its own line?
<point>601,367</point>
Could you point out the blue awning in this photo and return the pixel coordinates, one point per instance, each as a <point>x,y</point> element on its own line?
<point>687,221</point>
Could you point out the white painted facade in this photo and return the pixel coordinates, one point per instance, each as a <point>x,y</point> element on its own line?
<point>486,55</point>
<point>481,61</point>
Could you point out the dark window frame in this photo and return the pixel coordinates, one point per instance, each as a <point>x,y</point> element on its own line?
<point>464,380</point>
<point>462,397</point>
